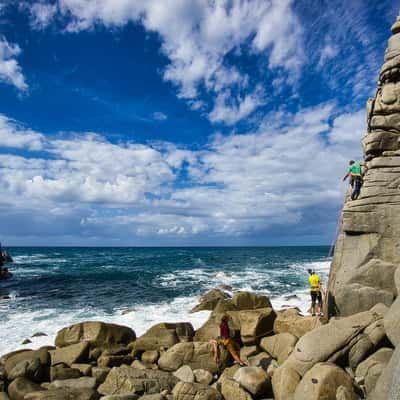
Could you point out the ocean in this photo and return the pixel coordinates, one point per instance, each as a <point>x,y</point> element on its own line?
<point>54,287</point>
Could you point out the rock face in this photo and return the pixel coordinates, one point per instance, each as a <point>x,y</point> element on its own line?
<point>367,251</point>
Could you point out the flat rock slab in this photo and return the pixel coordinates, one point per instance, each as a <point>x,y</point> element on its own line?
<point>128,380</point>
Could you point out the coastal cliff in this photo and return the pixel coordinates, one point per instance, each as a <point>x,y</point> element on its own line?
<point>367,252</point>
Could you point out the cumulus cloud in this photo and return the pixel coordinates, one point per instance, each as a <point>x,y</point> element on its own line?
<point>241,184</point>
<point>197,36</point>
<point>10,70</point>
<point>13,135</point>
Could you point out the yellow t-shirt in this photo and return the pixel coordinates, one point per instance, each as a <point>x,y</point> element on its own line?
<point>314,283</point>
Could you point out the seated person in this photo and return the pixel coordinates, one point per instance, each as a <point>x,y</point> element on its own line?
<point>227,341</point>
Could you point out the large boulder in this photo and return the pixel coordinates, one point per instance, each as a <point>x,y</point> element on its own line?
<point>62,371</point>
<point>255,324</point>
<point>284,383</point>
<point>164,335</point>
<point>322,382</point>
<point>74,353</point>
<point>20,387</point>
<point>209,300</point>
<point>128,380</point>
<point>74,384</point>
<point>210,329</point>
<point>291,321</point>
<point>369,371</point>
<point>195,391</point>
<point>231,390</point>
<point>279,346</point>
<point>392,322</point>
<point>26,356</point>
<point>194,354</point>
<point>388,384</point>
<point>250,301</point>
<point>31,369</point>
<point>98,334</point>
<point>330,342</point>
<point>63,394</point>
<point>255,380</point>
<point>203,376</point>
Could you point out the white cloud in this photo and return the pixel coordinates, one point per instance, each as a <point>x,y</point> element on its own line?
<point>231,110</point>
<point>42,14</point>
<point>328,52</point>
<point>197,36</point>
<point>12,135</point>
<point>159,116</point>
<point>10,70</point>
<point>235,185</point>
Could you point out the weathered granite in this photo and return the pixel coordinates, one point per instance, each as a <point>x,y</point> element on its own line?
<point>367,251</point>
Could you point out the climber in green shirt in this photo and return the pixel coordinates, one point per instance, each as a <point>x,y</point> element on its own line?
<point>356,177</point>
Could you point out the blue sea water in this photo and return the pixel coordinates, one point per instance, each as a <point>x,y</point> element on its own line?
<point>54,287</point>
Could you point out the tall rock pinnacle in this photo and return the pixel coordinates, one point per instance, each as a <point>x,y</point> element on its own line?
<point>364,269</point>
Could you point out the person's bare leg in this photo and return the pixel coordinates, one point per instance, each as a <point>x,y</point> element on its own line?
<point>214,345</point>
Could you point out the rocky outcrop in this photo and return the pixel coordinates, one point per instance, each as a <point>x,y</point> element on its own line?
<point>367,252</point>
<point>164,335</point>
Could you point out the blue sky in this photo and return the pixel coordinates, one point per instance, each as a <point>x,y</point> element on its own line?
<point>140,122</point>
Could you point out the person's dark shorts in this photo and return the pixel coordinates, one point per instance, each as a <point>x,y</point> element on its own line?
<point>316,296</point>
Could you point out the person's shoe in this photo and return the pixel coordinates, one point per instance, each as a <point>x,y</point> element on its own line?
<point>313,315</point>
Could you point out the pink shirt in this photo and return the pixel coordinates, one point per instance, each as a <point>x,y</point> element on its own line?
<point>224,330</point>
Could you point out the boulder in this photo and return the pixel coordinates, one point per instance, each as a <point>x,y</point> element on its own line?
<point>62,371</point>
<point>284,383</point>
<point>96,333</point>
<point>343,393</point>
<point>184,374</point>
<point>139,365</point>
<point>75,353</point>
<point>329,342</point>
<point>4,396</point>
<point>150,356</point>
<point>392,322</point>
<point>31,369</point>
<point>322,381</point>
<point>63,394</point>
<point>361,350</point>
<point>279,346</point>
<point>20,387</point>
<point>255,324</point>
<point>123,397</point>
<point>210,329</point>
<point>100,374</point>
<point>369,371</point>
<point>203,376</point>
<point>261,360</point>
<point>209,300</point>
<point>114,361</point>
<point>250,301</point>
<point>164,335</point>
<point>128,380</point>
<point>255,380</point>
<point>195,391</point>
<point>231,390</point>
<point>13,359</point>
<point>248,351</point>
<point>74,384</point>
<point>194,354</point>
<point>291,321</point>
<point>85,369</point>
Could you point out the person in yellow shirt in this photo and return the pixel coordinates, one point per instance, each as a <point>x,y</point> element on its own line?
<point>316,292</point>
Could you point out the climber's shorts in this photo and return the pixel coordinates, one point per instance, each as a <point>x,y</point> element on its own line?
<point>316,296</point>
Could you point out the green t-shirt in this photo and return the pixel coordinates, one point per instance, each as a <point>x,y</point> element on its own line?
<point>355,169</point>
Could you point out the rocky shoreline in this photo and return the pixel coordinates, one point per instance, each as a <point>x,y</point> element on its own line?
<point>353,354</point>
<point>289,356</point>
